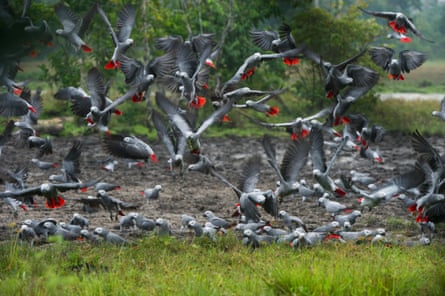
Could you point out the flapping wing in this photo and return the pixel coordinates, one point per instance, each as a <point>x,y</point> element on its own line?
<point>67,17</point>
<point>125,22</point>
<point>389,15</point>
<point>317,150</point>
<point>71,161</point>
<point>294,159</point>
<point>264,39</point>
<point>163,133</point>
<point>250,174</point>
<point>381,56</point>
<point>125,147</point>
<point>410,60</point>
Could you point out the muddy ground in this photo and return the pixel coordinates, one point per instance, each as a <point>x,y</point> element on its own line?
<point>195,192</point>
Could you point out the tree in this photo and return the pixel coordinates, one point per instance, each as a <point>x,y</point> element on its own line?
<point>334,38</point>
<point>336,30</point>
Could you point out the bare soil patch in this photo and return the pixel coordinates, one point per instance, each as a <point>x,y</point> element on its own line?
<point>195,192</point>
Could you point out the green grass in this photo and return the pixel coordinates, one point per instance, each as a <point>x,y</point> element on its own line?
<point>164,266</point>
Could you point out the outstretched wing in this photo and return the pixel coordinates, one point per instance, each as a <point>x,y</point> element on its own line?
<point>250,174</point>
<point>411,59</point>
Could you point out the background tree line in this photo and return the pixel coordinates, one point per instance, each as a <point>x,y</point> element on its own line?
<point>334,29</point>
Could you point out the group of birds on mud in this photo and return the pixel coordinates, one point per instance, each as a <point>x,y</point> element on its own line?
<point>184,69</point>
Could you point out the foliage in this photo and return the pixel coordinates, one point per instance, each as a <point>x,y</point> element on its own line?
<point>335,39</point>
<point>336,30</point>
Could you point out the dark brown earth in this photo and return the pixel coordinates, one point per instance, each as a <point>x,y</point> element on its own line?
<point>195,192</point>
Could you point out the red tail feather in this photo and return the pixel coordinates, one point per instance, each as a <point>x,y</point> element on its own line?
<point>55,203</point>
<point>332,236</point>
<point>110,65</point>
<point>49,205</point>
<point>405,39</point>
<point>330,94</point>
<point>401,30</point>
<point>291,61</point>
<point>198,102</point>
<point>412,208</point>
<point>17,91</point>
<point>86,48</point>
<point>304,133</point>
<point>136,98</point>
<point>396,77</point>
<point>273,110</point>
<point>250,72</point>
<point>421,218</point>
<point>226,118</point>
<point>345,120</point>
<point>396,28</point>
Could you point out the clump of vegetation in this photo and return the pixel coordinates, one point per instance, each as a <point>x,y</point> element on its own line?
<point>407,116</point>
<point>398,224</point>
